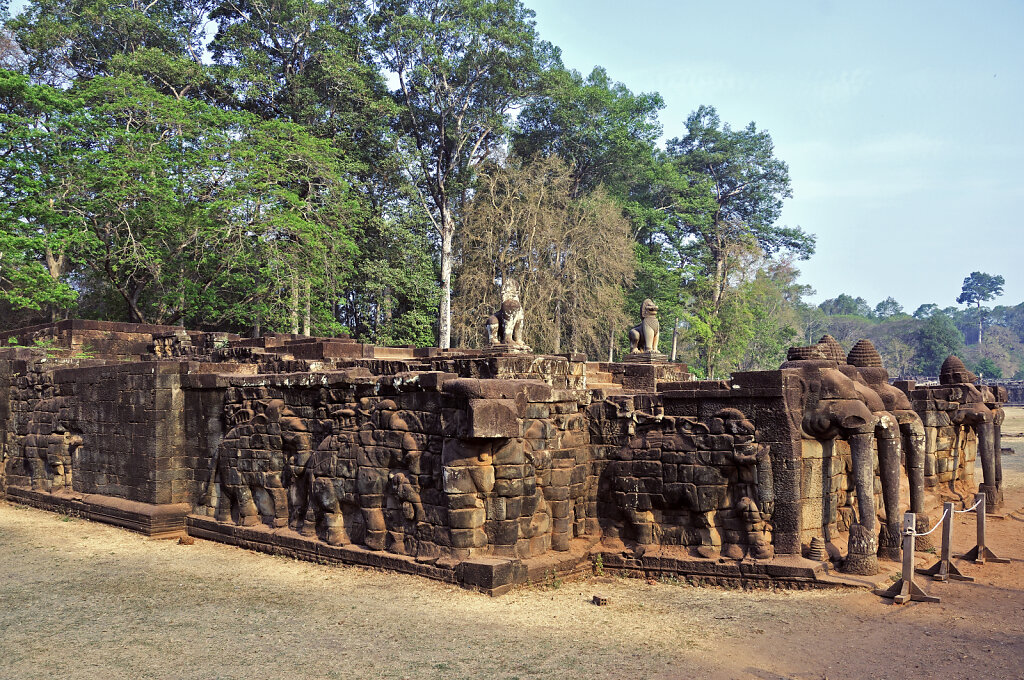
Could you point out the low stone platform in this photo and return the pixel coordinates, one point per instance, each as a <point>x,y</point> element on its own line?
<point>490,470</point>
<point>155,521</point>
<point>489,575</point>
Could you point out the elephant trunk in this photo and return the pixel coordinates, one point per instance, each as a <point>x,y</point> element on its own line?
<point>862,555</point>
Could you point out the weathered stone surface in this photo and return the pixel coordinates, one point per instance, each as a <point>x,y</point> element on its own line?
<point>478,468</point>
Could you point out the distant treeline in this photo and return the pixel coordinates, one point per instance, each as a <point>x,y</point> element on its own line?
<point>990,341</point>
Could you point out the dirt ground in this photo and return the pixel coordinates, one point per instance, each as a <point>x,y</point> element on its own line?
<point>84,600</point>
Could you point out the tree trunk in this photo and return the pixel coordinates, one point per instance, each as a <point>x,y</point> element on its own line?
<point>134,313</point>
<point>55,268</point>
<point>710,364</point>
<point>308,313</point>
<point>558,326</point>
<point>611,343</point>
<point>444,321</point>
<point>979,322</point>
<point>675,338</point>
<point>295,304</point>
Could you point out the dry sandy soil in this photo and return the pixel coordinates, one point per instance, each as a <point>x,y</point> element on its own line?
<point>84,600</point>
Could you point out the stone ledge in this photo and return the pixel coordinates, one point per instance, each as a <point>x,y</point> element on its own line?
<point>156,521</point>
<point>489,575</point>
<point>784,571</point>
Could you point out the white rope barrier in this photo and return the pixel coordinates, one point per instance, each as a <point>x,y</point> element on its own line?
<point>938,524</point>
<point>976,504</point>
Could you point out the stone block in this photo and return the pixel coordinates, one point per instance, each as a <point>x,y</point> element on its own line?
<point>468,538</point>
<point>467,519</point>
<point>493,418</point>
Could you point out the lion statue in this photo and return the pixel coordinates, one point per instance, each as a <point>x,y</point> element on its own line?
<point>505,326</point>
<point>644,338</point>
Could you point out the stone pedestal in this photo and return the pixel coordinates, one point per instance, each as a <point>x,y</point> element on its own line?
<point>505,348</point>
<point>645,358</point>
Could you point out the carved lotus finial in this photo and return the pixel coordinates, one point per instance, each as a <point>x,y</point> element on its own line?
<point>953,372</point>
<point>833,350</point>
<point>864,355</point>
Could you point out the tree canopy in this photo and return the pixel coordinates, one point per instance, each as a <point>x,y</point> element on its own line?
<point>325,166</point>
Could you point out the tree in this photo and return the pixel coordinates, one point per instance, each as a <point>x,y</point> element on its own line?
<point>888,308</point>
<point>897,356</point>
<point>846,305</point>
<point>308,62</point>
<point>937,338</point>
<point>746,185</point>
<point>461,66</point>
<point>603,131</point>
<point>182,211</point>
<point>68,40</point>
<point>566,254</point>
<point>12,58</point>
<point>772,299</point>
<point>986,368</point>
<point>926,310</point>
<point>392,299</point>
<point>980,287</point>
<point>37,240</point>
<point>608,136</point>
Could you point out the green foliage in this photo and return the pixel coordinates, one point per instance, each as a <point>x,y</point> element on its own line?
<point>186,212</point>
<point>394,291</point>
<point>308,62</point>
<point>980,287</point>
<point>986,368</point>
<point>69,40</point>
<point>742,186</point>
<point>280,185</point>
<point>846,305</point>
<point>604,132</point>
<point>888,308</point>
<point>937,338</point>
<point>461,67</point>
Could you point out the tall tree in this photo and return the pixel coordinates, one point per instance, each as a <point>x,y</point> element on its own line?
<point>308,62</point>
<point>37,239</point>
<point>68,40</point>
<point>937,338</point>
<point>887,308</point>
<point>980,287</point>
<point>746,185</point>
<point>602,130</point>
<point>181,210</point>
<point>461,66</point>
<point>570,257</point>
<point>608,135</point>
<point>846,305</point>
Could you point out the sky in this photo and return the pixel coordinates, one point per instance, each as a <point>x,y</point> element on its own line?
<point>902,122</point>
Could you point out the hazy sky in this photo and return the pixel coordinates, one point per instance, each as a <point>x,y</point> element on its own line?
<point>902,122</point>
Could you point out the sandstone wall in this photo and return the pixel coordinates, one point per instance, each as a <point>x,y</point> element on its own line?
<point>484,469</point>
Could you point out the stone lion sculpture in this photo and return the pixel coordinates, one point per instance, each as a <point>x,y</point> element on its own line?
<point>505,326</point>
<point>644,337</point>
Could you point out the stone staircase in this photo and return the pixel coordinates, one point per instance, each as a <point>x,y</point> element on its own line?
<point>601,382</point>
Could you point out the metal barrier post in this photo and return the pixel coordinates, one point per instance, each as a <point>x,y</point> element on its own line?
<point>905,589</point>
<point>944,569</point>
<point>981,552</point>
